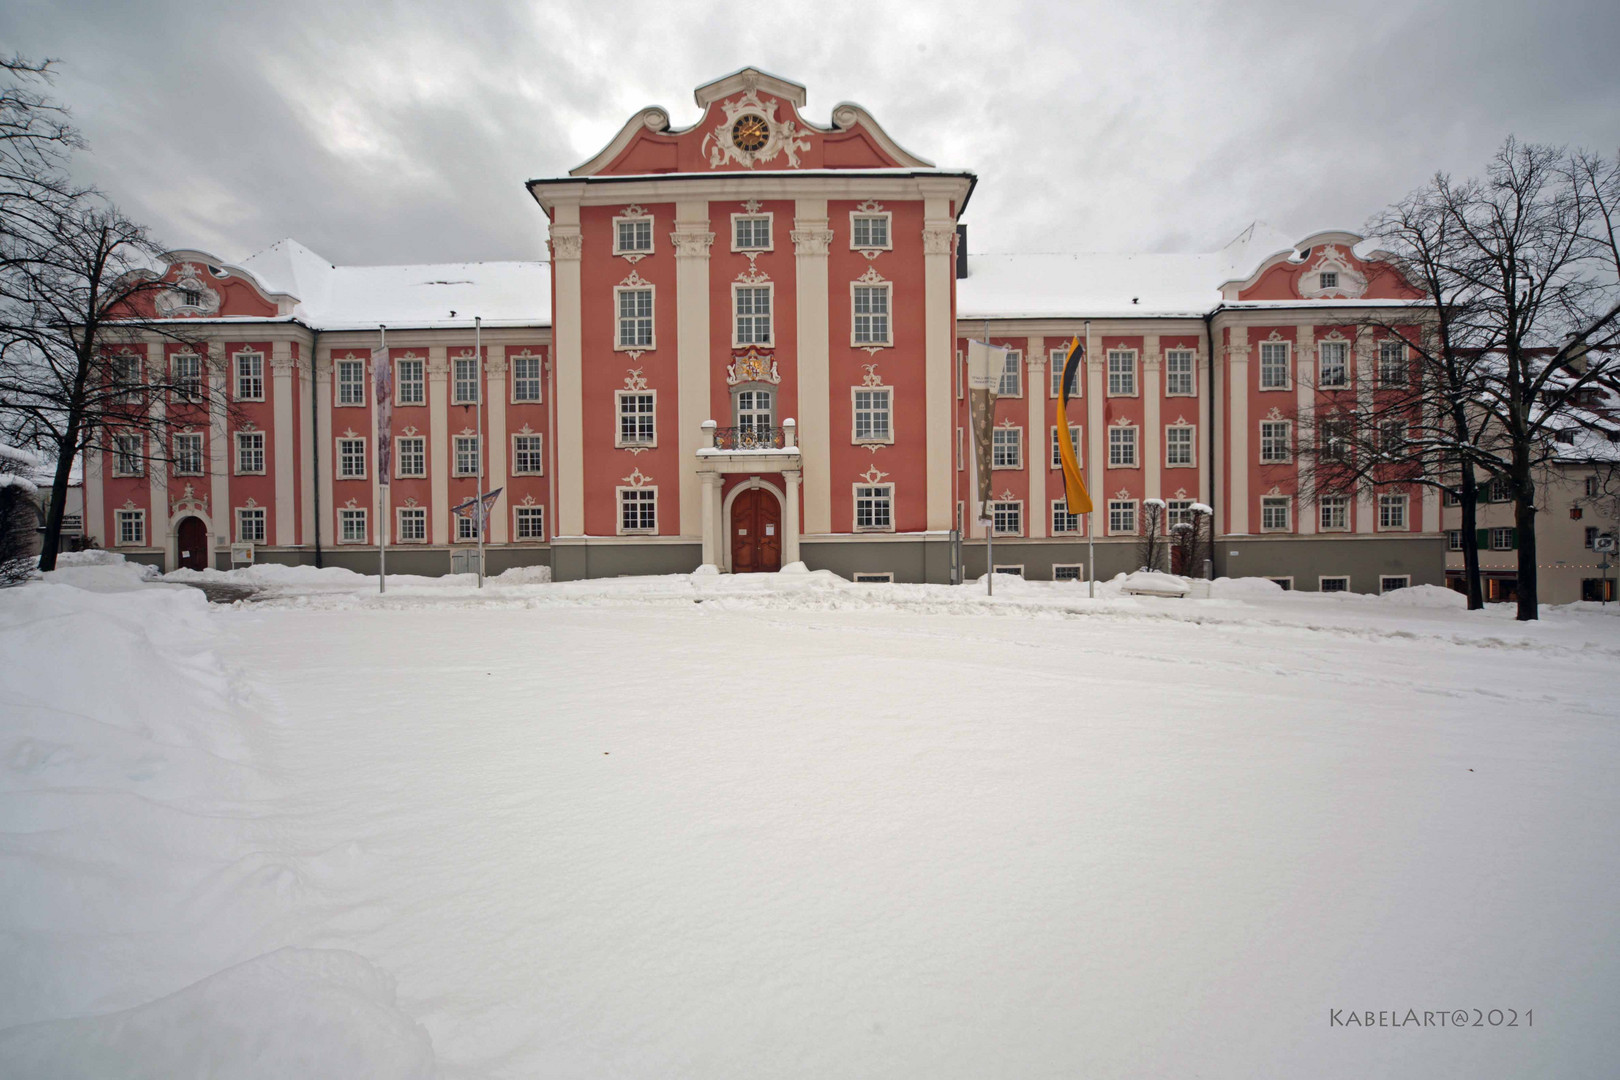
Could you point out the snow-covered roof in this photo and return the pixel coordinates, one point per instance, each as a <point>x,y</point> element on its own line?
<point>424,296</point>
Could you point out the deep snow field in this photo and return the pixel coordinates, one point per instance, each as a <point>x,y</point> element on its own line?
<point>785,826</point>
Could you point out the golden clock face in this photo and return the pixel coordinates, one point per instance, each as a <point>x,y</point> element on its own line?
<point>750,132</point>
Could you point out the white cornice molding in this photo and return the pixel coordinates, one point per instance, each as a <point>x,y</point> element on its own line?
<point>737,185</point>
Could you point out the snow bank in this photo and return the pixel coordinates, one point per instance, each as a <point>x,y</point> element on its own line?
<point>1153,583</point>
<point>1244,588</point>
<point>1426,596</point>
<point>293,1012</point>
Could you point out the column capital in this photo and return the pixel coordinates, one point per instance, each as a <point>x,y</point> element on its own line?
<point>691,243</point>
<point>939,237</point>
<point>566,243</point>
<point>811,236</point>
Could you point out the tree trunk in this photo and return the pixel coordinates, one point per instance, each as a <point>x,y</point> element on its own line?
<point>1469,494</point>
<point>51,543</point>
<point>1524,521</point>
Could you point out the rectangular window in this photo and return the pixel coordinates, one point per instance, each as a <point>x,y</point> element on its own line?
<point>1055,359</point>
<point>1178,512</point>
<point>1329,279</point>
<point>126,376</point>
<point>1335,437</point>
<point>637,419</point>
<point>526,381</point>
<point>1122,448</point>
<point>753,314</point>
<point>1591,537</point>
<point>635,318</point>
<point>1067,572</point>
<point>1392,438</point>
<point>1274,442</point>
<point>1500,489</point>
<point>249,453</point>
<point>1121,372</point>
<point>1274,514</point>
<point>1593,487</point>
<point>1392,367</point>
<point>464,381</point>
<point>1122,517</point>
<point>1333,584</point>
<point>351,459</point>
<point>466,455</point>
<point>874,507</point>
<point>871,323</point>
<point>250,525</point>
<point>632,236</point>
<point>1007,448</point>
<point>1392,511</point>
<point>1274,365</point>
<point>1014,570</point>
<point>638,510</point>
<point>1333,364</point>
<point>412,455</point>
<point>129,459</point>
<point>1074,444</point>
<point>873,406</point>
<point>351,382</point>
<point>873,577</point>
<point>131,528</point>
<point>1454,539</point>
<point>528,455</point>
<point>249,376</point>
<point>1334,513</point>
<point>1284,583</point>
<point>187,376</point>
<point>1062,520</point>
<point>1390,582</point>
<point>1178,372</point>
<point>1450,497</point>
<point>188,454</point>
<point>750,232</point>
<point>1007,518</point>
<point>1503,539</point>
<point>1178,445</point>
<point>1011,381</point>
<point>351,525</point>
<point>466,527</point>
<point>412,524</point>
<point>410,386</point>
<point>529,523</point>
<point>869,230</point>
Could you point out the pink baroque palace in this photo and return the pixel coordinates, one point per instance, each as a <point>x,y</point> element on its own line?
<point>747,350</point>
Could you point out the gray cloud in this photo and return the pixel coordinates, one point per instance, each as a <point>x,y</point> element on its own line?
<point>402,132</point>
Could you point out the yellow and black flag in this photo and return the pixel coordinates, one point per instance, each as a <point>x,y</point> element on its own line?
<point>1074,488</point>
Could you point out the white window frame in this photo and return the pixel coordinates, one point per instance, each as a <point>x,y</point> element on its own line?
<point>885,287</point>
<point>1130,373</point>
<point>1287,442</point>
<point>1001,437</point>
<point>262,450</point>
<point>1339,347</point>
<point>619,503</point>
<point>456,395</point>
<point>539,380</point>
<point>1324,503</point>
<point>1391,500</point>
<point>540,454</point>
<point>400,454</point>
<point>347,514</point>
<point>737,289</point>
<point>1403,363</point>
<point>1055,359</point>
<point>1270,502</point>
<point>252,383</point>
<point>1131,506</point>
<point>619,396</point>
<point>1191,373</point>
<point>416,512</point>
<point>1192,446</point>
<point>1135,444</point>
<point>884,495</point>
<point>1505,532</point>
<point>124,515</point>
<point>243,514</point>
<point>340,384</point>
<point>855,411</point>
<point>128,375</point>
<point>1061,507</point>
<point>1454,539</point>
<point>1287,349</point>
<point>1327,279</point>
<point>466,529</point>
<point>619,318</point>
<point>456,451</point>
<point>1178,511</point>
<point>652,234</point>
<point>418,384</point>
<point>1078,568</point>
<point>201,458</point>
<point>888,230</point>
<point>183,391</point>
<point>873,577</point>
<point>1012,365</point>
<point>1017,507</point>
<point>1076,439</point>
<point>770,228</point>
<point>136,456</point>
<point>518,513</point>
<point>1325,578</point>
<point>337,458</point>
<point>1008,568</point>
<point>1385,579</point>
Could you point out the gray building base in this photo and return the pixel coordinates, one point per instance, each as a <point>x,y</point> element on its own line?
<point>575,561</point>
<point>420,561</point>
<point>1365,559</point>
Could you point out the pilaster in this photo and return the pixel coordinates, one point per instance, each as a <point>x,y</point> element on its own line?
<point>495,397</point>
<point>1305,517</point>
<point>1237,368</point>
<point>438,444</point>
<point>811,239</point>
<point>219,453</point>
<point>282,389</point>
<point>692,240</point>
<point>157,471</point>
<point>568,448</point>
<point>1037,456</point>
<point>327,470</point>
<point>790,519</point>
<point>939,275</point>
<point>1152,430</point>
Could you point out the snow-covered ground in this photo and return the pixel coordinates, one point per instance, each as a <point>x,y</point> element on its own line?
<point>787,826</point>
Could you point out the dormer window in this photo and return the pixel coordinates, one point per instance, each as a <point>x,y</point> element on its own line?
<point>1330,279</point>
<point>191,297</point>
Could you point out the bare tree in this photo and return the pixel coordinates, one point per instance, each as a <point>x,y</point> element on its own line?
<point>1191,541</point>
<point>19,514</point>
<point>76,277</point>
<point>1153,542</point>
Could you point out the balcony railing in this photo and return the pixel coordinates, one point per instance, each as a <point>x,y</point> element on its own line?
<point>749,438</point>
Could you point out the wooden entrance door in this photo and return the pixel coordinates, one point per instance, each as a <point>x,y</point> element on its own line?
<point>191,541</point>
<point>756,532</point>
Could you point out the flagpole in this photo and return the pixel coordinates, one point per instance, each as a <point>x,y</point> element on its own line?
<point>1091,555</point>
<point>990,526</point>
<point>478,366</point>
<point>382,480</point>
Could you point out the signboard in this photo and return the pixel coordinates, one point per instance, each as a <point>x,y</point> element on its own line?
<point>241,554</point>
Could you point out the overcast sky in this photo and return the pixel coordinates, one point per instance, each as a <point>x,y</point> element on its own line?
<point>388,133</point>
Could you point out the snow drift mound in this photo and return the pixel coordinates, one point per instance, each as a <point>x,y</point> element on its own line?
<point>293,1012</point>
<point>1426,596</point>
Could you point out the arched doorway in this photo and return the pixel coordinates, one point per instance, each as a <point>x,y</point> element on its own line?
<point>191,543</point>
<point>756,532</point>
